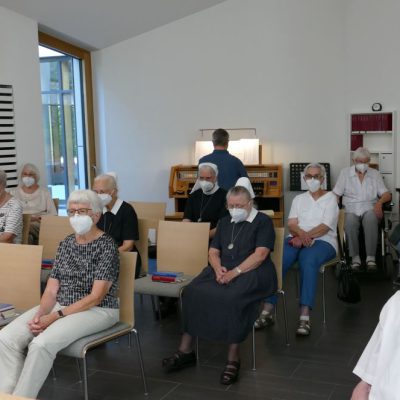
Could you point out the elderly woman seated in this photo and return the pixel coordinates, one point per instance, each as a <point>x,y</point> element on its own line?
<point>10,214</point>
<point>364,193</point>
<point>35,200</point>
<point>221,303</point>
<point>79,300</point>
<point>119,218</point>
<point>206,202</point>
<point>312,224</point>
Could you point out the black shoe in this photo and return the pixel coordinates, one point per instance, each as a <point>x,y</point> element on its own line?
<point>178,361</point>
<point>230,374</point>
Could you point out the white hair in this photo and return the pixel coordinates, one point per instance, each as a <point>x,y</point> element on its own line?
<point>110,179</point>
<point>29,167</point>
<point>361,152</point>
<point>315,165</point>
<point>86,197</point>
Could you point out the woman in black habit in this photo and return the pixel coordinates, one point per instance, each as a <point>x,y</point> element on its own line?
<point>221,304</point>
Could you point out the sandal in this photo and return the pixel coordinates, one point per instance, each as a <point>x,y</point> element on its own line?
<point>178,361</point>
<point>371,266</point>
<point>230,374</point>
<point>264,319</point>
<point>304,328</point>
<point>355,266</point>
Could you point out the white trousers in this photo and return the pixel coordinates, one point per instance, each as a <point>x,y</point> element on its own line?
<point>26,360</point>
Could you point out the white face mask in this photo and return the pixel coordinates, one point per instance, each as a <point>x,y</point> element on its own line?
<point>313,185</point>
<point>361,167</point>
<point>238,214</point>
<point>28,181</point>
<point>206,186</point>
<point>105,198</point>
<point>81,224</point>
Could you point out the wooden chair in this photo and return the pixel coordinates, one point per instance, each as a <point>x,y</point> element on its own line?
<point>4,396</point>
<point>26,224</point>
<point>334,261</point>
<point>56,202</point>
<point>20,274</point>
<point>53,229</point>
<point>149,210</point>
<point>145,225</point>
<point>181,247</point>
<point>125,326</point>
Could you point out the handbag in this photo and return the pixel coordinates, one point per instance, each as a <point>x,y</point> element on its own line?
<point>348,287</point>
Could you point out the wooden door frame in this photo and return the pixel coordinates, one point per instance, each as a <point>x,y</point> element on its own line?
<point>84,55</point>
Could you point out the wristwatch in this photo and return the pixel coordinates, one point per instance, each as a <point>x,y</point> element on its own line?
<point>238,270</point>
<point>60,314</point>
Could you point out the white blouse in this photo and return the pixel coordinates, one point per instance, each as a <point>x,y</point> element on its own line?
<point>359,197</point>
<point>311,213</point>
<point>379,364</point>
<point>37,203</point>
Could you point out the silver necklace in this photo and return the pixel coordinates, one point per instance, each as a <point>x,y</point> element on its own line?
<point>205,206</point>
<point>231,244</point>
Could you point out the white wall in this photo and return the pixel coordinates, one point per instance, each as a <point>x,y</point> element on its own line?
<point>19,66</point>
<point>373,57</point>
<point>277,66</point>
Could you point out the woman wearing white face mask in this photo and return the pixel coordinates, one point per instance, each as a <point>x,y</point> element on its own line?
<point>221,304</point>
<point>119,218</point>
<point>80,299</point>
<point>363,193</point>
<point>312,224</point>
<point>35,200</point>
<point>206,202</point>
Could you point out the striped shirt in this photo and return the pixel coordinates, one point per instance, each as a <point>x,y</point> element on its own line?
<point>11,218</point>
<point>77,266</point>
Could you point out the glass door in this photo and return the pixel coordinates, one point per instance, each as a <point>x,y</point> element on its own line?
<point>63,122</point>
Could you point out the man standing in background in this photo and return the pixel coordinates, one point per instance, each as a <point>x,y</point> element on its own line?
<point>230,167</point>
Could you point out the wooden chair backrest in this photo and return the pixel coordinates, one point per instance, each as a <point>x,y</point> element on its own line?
<point>26,224</point>
<point>143,243</point>
<point>20,274</point>
<point>53,229</point>
<point>277,254</point>
<point>56,202</point>
<point>149,210</point>
<point>182,246</point>
<point>270,213</point>
<point>126,286</point>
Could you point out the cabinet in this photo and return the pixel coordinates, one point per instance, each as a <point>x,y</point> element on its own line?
<point>265,179</point>
<point>377,132</point>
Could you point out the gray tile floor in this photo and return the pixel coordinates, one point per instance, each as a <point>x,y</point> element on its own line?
<point>317,367</point>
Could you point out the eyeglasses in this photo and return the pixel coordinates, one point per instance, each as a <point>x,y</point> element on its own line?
<point>309,176</point>
<point>237,206</point>
<point>80,211</point>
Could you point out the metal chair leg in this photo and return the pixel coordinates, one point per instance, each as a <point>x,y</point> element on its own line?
<point>253,346</point>
<point>78,365</point>
<point>139,351</point>
<point>197,350</point>
<point>159,308</point>
<point>129,340</point>
<point>85,381</point>
<point>53,371</point>
<point>285,317</point>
